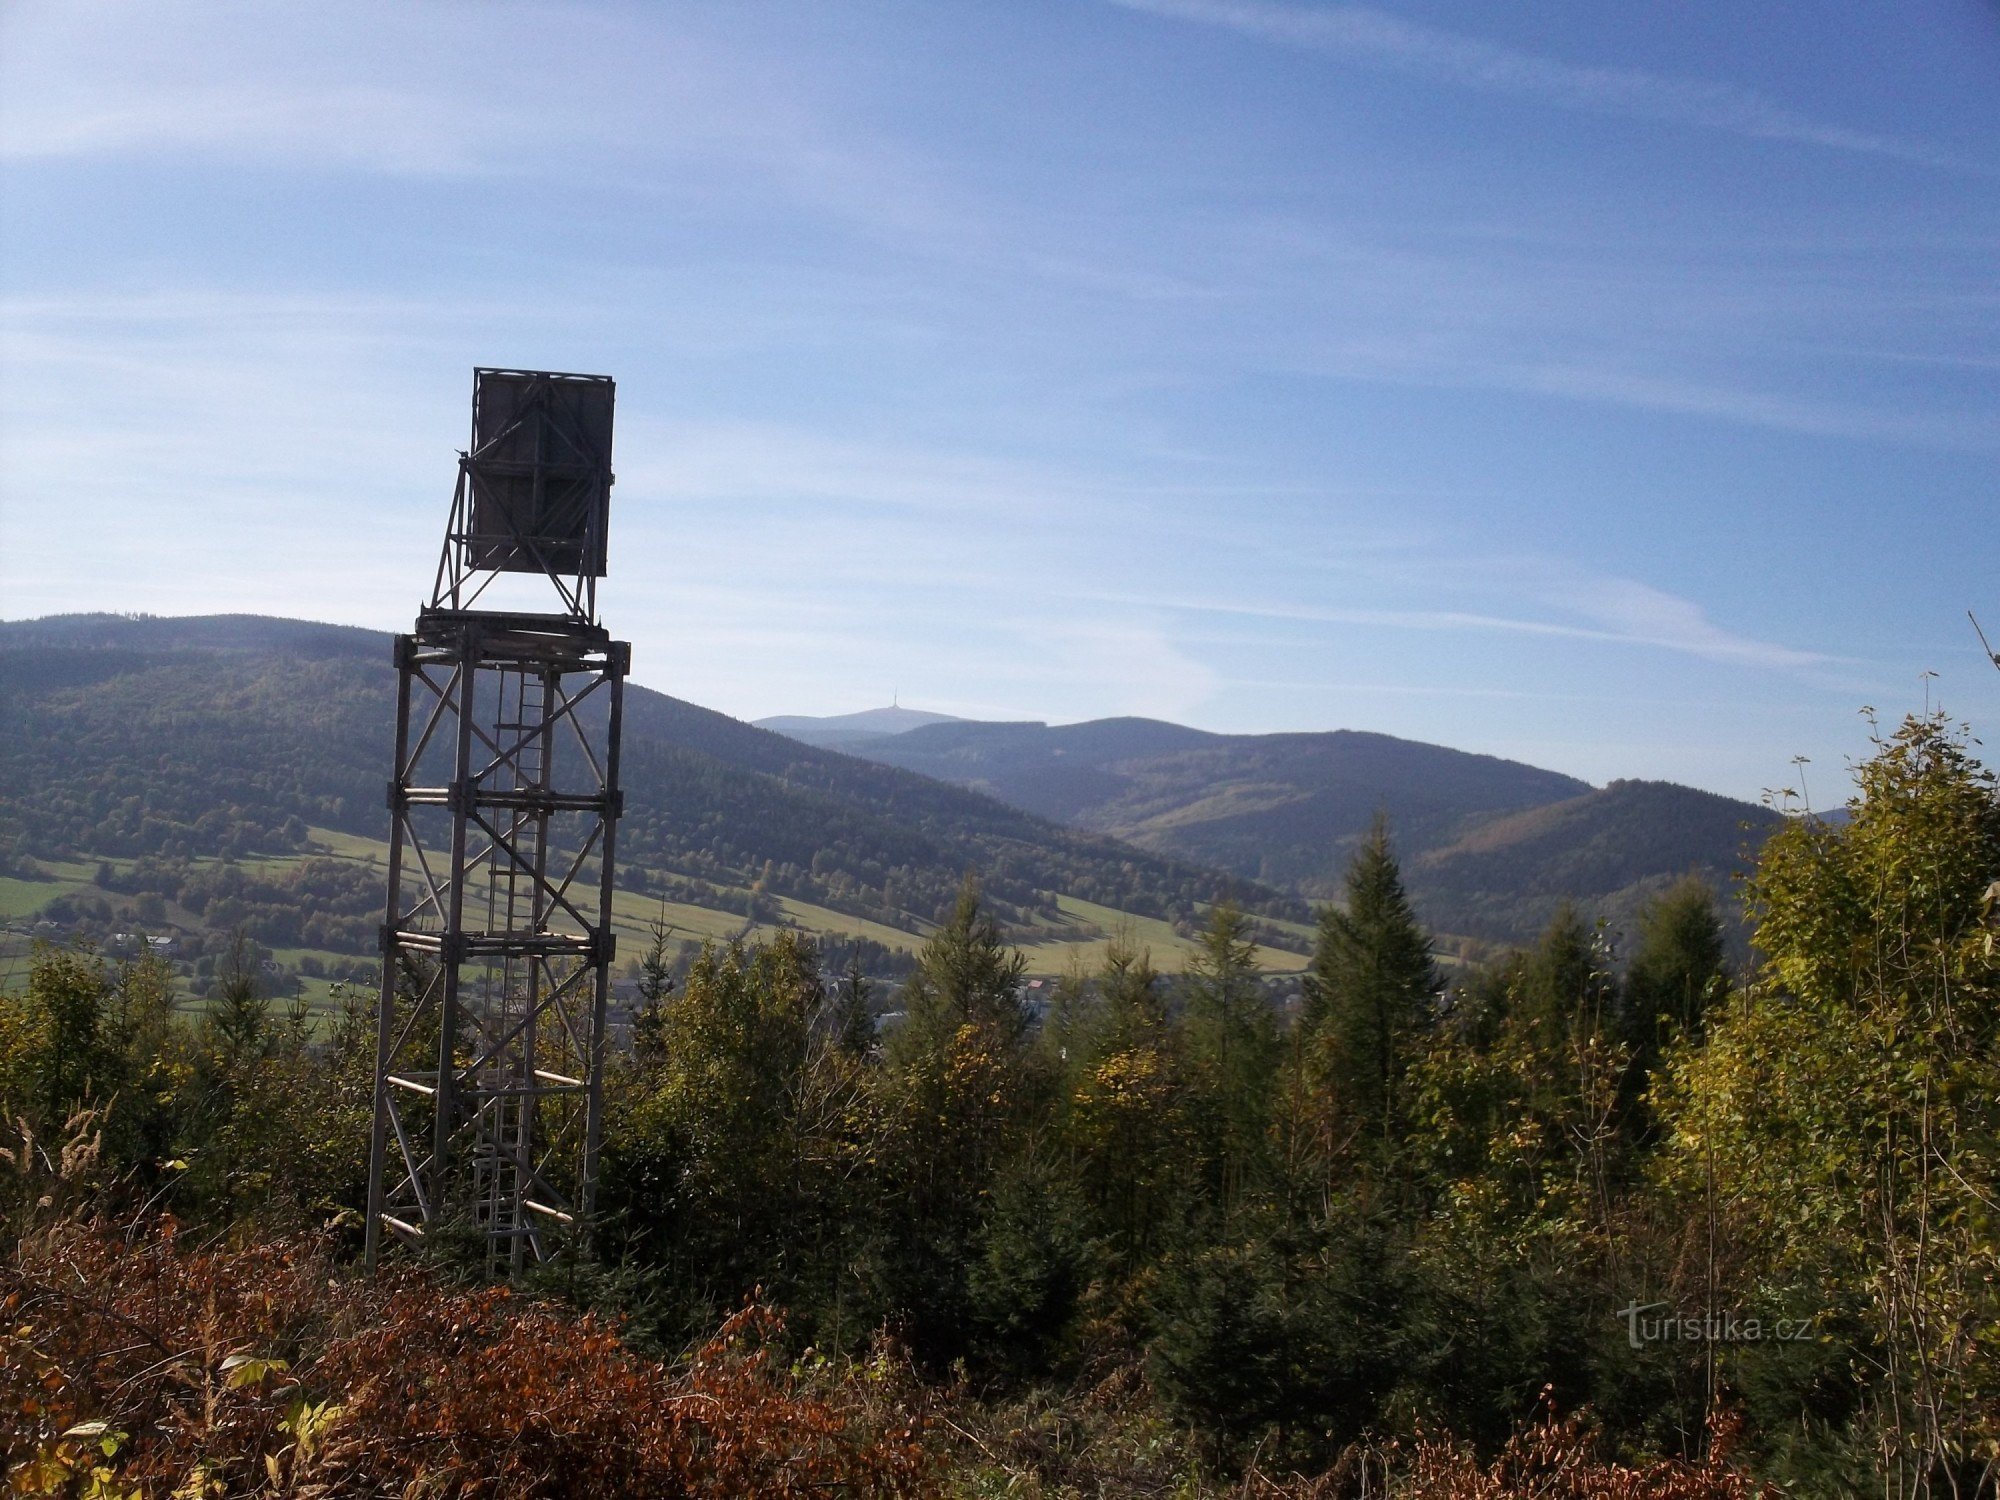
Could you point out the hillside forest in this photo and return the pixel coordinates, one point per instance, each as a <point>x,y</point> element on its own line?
<point>195,779</point>
<point>1601,1213</point>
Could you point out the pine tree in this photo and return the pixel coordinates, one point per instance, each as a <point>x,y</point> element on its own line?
<point>656,988</point>
<point>953,1092</point>
<point>1124,1110</point>
<point>1232,1048</point>
<point>1678,972</point>
<point>1131,991</point>
<point>966,975</point>
<point>240,1015</point>
<point>854,1020</point>
<point>1371,987</point>
<point>1564,989</point>
<point>68,994</point>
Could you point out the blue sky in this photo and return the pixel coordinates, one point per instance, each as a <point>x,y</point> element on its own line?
<point>1610,387</point>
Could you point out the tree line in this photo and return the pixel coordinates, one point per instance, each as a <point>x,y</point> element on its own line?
<point>1685,1200</point>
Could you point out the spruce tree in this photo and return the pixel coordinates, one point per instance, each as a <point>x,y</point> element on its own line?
<point>1565,989</point>
<point>966,975</point>
<point>1232,1049</point>
<point>1678,971</point>
<point>854,1020</point>
<point>656,988</point>
<point>1371,987</point>
<point>1124,1108</point>
<point>241,1013</point>
<point>952,1095</point>
<point>1130,991</point>
<point>68,994</point>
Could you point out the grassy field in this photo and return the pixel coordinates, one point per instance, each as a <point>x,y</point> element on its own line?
<point>1079,936</point>
<point>1169,951</point>
<point>23,898</point>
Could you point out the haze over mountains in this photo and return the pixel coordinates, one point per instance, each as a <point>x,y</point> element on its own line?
<point>1490,846</point>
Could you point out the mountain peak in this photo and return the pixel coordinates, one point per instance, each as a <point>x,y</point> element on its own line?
<point>836,729</point>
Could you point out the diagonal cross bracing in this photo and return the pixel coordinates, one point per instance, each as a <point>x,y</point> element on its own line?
<point>497,1125</point>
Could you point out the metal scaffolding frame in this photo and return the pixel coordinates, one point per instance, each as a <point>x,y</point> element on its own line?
<point>504,803</point>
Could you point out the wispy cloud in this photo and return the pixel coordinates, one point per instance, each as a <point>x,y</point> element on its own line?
<point>439,92</point>
<point>1602,378</point>
<point>1374,36</point>
<point>1627,610</point>
<point>1727,334</point>
<point>1617,611</point>
<point>360,90</point>
<point>390,130</point>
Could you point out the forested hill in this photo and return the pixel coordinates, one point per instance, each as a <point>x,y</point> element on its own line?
<point>1491,847</point>
<point>1280,807</point>
<point>122,737</point>
<point>1609,851</point>
<point>125,737</point>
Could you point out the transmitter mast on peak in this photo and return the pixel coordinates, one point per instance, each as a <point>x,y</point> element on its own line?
<point>504,804</point>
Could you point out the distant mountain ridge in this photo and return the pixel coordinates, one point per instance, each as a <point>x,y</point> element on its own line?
<point>837,730</point>
<point>1490,846</point>
<point>1272,807</point>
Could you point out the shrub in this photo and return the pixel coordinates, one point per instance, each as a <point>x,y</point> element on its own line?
<point>266,1369</point>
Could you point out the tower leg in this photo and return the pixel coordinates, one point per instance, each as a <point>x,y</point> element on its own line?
<point>385,1012</point>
